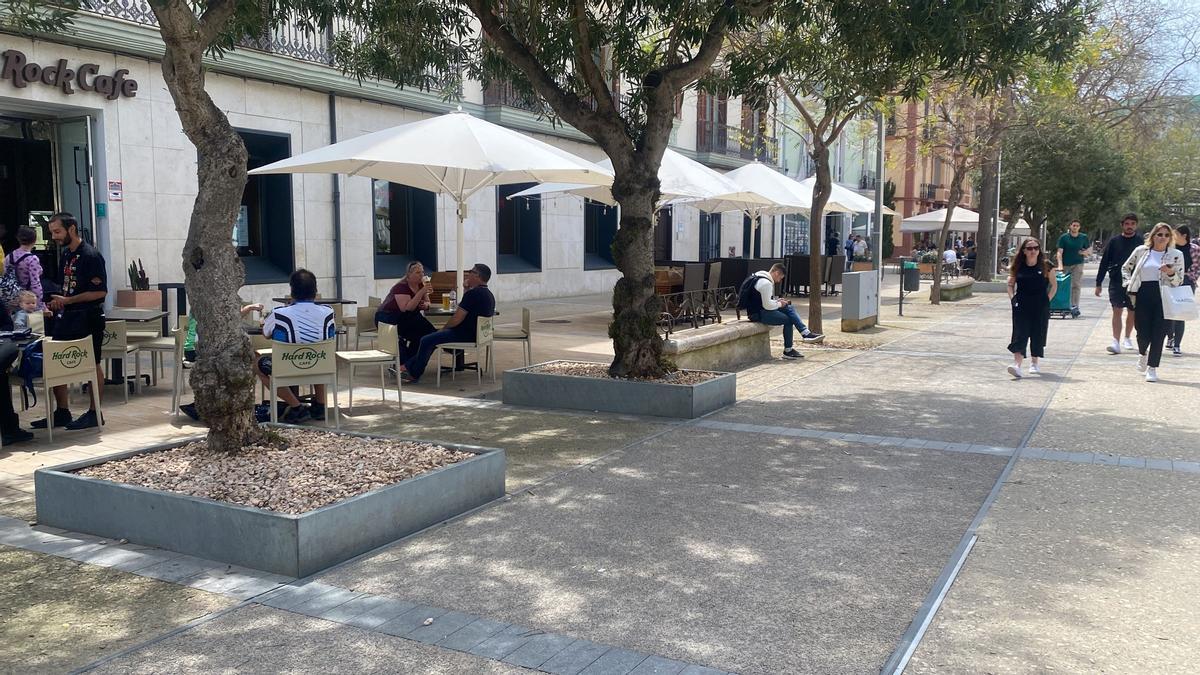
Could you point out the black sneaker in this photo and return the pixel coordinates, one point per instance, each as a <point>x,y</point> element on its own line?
<point>1175,350</point>
<point>189,409</point>
<point>85,421</point>
<point>811,337</point>
<point>296,415</point>
<point>15,436</point>
<point>62,417</point>
<point>262,413</point>
<point>316,411</point>
<point>792,354</point>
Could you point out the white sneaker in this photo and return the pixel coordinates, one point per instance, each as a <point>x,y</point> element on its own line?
<point>1115,347</point>
<point>1141,364</point>
<point>1034,369</point>
<point>1014,371</point>
<point>1152,375</point>
<point>1127,344</point>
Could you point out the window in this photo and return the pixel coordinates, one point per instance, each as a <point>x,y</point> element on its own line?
<point>599,230</point>
<point>751,249</point>
<point>404,228</point>
<point>262,232</point>
<point>710,236</point>
<point>663,224</point>
<point>518,231</point>
<point>795,234</point>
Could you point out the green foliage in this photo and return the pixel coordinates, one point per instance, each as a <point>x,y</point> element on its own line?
<point>889,200</point>
<point>35,16</point>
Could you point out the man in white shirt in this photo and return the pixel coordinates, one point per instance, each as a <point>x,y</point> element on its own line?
<point>860,247</point>
<point>950,257</point>
<point>757,297</point>
<point>300,322</point>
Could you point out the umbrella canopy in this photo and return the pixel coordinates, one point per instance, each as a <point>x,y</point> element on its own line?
<point>456,154</point>
<point>681,179</point>
<point>785,194</point>
<point>843,200</point>
<point>963,220</point>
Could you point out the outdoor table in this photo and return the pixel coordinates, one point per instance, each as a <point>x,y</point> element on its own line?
<point>130,315</point>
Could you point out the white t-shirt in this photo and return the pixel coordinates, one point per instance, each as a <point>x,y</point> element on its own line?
<point>1150,268</point>
<point>860,247</point>
<point>950,257</point>
<point>300,322</point>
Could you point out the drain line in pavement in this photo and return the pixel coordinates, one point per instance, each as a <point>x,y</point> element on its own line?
<point>933,601</point>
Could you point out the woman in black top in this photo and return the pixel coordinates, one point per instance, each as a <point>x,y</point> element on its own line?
<point>1031,284</point>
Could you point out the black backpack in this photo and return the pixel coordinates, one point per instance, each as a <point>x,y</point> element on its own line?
<point>748,298</point>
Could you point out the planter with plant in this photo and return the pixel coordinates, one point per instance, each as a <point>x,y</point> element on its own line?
<point>139,294</point>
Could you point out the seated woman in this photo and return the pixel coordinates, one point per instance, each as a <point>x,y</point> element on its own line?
<point>402,308</point>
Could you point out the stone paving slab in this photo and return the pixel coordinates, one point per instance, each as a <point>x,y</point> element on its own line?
<point>258,639</point>
<point>59,614</point>
<point>1089,569</point>
<point>625,552</point>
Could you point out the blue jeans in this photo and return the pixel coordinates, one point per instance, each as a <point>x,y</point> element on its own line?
<point>786,317</point>
<point>416,365</point>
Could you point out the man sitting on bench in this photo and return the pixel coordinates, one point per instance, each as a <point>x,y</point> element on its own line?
<point>757,297</point>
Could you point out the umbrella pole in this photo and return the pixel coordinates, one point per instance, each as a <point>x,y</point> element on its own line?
<point>458,243</point>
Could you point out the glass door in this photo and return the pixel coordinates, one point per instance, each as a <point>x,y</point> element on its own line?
<point>73,141</point>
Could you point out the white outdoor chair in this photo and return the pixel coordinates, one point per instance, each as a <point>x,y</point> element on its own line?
<point>521,334</point>
<point>116,345</point>
<point>388,354</point>
<point>67,362</point>
<point>304,363</point>
<point>37,323</point>
<point>482,347</point>
<point>179,336</point>
<point>157,347</point>
<point>364,326</point>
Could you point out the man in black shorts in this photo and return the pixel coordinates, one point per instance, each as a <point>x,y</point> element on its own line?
<point>1116,252</point>
<point>79,311</point>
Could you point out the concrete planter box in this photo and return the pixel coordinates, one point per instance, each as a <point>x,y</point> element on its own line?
<point>572,392</point>
<point>138,299</point>
<point>292,545</point>
<point>860,266</point>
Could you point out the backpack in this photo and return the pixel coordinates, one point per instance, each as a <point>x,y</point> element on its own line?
<point>9,286</point>
<point>748,296</point>
<point>29,370</point>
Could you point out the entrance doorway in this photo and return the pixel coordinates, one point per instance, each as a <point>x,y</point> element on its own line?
<point>45,167</point>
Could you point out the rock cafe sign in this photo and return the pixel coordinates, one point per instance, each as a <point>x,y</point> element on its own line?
<point>87,77</point>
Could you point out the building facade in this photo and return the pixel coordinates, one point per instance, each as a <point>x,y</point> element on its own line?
<point>87,126</point>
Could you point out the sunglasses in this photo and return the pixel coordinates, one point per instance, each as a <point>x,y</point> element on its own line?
<point>1161,234</point>
<point>1033,248</point>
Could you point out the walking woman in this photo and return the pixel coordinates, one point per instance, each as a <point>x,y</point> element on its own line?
<point>1151,266</point>
<point>1031,284</point>
<point>1191,269</point>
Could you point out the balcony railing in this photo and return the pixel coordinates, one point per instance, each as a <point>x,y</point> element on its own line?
<point>867,181</point>
<point>722,139</point>
<point>930,192</point>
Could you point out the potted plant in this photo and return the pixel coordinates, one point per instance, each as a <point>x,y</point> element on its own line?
<point>139,294</point>
<point>861,263</point>
<point>929,262</point>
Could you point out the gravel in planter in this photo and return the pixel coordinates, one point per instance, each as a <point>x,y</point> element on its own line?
<point>317,469</point>
<point>599,370</point>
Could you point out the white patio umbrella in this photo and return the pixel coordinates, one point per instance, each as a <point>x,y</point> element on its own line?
<point>456,154</point>
<point>681,180</point>
<point>963,220</point>
<point>843,200</point>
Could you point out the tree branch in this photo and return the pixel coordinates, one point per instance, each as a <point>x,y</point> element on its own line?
<point>587,67</point>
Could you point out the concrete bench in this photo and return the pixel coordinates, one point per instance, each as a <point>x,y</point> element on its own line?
<point>956,289</point>
<point>724,346</point>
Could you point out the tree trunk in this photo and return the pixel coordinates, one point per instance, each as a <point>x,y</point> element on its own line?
<point>984,261</point>
<point>935,295</point>
<point>213,273</point>
<point>816,232</point>
<point>637,348</point>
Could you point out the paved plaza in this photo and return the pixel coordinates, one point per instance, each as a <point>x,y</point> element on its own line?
<point>894,499</point>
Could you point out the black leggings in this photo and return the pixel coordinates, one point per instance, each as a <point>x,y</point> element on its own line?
<point>8,417</point>
<point>1029,325</point>
<point>1151,326</point>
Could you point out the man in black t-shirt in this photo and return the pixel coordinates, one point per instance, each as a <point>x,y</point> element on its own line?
<point>1116,252</point>
<point>78,311</point>
<point>477,301</point>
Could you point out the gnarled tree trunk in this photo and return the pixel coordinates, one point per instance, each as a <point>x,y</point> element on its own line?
<point>213,273</point>
<point>636,307</point>
<point>935,295</point>
<point>816,232</point>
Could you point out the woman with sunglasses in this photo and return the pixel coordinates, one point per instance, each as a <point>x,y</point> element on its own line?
<point>1031,284</point>
<point>1151,266</point>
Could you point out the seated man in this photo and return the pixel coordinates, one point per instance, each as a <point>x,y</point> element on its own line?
<point>950,257</point>
<point>476,301</point>
<point>757,297</point>
<point>300,322</point>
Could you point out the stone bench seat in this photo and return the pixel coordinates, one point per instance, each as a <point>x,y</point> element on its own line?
<point>724,346</point>
<point>957,289</point>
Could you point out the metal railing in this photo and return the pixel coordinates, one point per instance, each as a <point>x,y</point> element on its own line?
<point>732,141</point>
<point>930,191</point>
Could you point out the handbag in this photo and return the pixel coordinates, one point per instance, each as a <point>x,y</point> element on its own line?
<point>1179,303</point>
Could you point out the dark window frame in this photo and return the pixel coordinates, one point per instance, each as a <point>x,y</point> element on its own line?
<point>276,261</point>
<point>710,225</point>
<point>525,253</point>
<point>600,223</point>
<point>420,228</point>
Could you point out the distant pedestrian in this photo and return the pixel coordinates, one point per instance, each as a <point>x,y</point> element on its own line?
<point>1072,246</point>
<point>831,245</point>
<point>1031,284</point>
<point>860,246</point>
<point>1150,267</point>
<point>849,249</point>
<point>1116,252</point>
<point>1191,269</point>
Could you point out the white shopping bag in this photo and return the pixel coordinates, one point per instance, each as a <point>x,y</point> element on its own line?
<point>1179,303</point>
